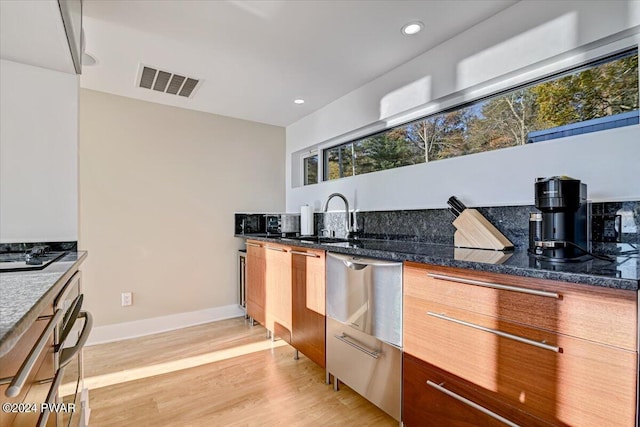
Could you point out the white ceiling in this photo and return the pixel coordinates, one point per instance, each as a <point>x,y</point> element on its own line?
<point>255,57</point>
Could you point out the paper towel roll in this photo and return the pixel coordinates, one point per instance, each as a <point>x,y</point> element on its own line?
<point>306,220</point>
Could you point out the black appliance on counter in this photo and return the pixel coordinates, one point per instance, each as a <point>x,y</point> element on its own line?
<point>273,224</point>
<point>250,223</point>
<point>283,224</point>
<point>561,232</point>
<point>268,224</point>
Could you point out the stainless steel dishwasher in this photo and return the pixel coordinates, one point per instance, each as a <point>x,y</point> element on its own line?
<point>364,328</point>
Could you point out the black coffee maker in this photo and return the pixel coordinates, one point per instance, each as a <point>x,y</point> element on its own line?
<point>560,233</point>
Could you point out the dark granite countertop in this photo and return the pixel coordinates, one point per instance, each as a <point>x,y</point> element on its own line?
<point>23,296</point>
<point>623,273</point>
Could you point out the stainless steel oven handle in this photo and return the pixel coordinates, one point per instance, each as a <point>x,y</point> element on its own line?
<point>471,403</point>
<point>343,338</point>
<point>496,286</point>
<point>309,254</point>
<point>68,354</point>
<point>518,338</point>
<point>51,398</point>
<point>27,366</point>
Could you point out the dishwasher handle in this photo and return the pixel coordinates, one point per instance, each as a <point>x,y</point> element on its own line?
<point>351,341</point>
<point>357,263</point>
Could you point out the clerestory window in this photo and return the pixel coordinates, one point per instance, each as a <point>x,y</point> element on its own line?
<point>599,95</point>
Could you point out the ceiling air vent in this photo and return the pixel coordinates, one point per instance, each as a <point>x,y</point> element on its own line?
<point>165,81</point>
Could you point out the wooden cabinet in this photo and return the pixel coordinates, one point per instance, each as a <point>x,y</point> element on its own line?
<point>255,281</point>
<point>38,382</point>
<point>285,292</point>
<point>313,275</point>
<point>594,313</point>
<point>565,354</point>
<point>278,290</point>
<point>435,398</point>
<point>268,283</point>
<point>308,278</point>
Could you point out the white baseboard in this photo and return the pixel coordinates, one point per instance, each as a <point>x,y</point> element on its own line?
<point>139,328</point>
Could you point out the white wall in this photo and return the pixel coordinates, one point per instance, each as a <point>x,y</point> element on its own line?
<point>524,42</point>
<point>38,154</point>
<point>158,189</point>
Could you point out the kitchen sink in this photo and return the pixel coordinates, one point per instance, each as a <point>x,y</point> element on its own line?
<point>319,239</point>
<point>330,241</point>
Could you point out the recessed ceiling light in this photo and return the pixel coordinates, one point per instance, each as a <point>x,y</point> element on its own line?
<point>88,59</point>
<point>298,101</point>
<point>412,28</point>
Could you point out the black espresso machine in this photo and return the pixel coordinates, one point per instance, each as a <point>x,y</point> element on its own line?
<point>561,231</point>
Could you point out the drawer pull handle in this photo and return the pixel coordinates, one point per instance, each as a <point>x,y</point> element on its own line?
<point>470,403</point>
<point>68,288</point>
<point>69,320</point>
<point>272,248</point>
<point>344,338</point>
<point>497,332</point>
<point>27,366</point>
<point>496,286</point>
<point>51,398</point>
<point>255,245</point>
<point>67,354</point>
<point>309,254</point>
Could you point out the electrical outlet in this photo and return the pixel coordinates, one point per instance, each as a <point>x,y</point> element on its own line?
<point>606,228</point>
<point>126,299</point>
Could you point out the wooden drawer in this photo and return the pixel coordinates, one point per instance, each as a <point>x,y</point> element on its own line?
<point>432,397</point>
<point>255,281</point>
<point>36,394</point>
<point>278,286</point>
<point>36,384</point>
<point>10,363</point>
<point>581,384</point>
<point>307,294</point>
<point>603,315</point>
<point>309,267</point>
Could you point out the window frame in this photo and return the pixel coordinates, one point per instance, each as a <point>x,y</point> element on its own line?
<point>543,71</point>
<point>319,173</point>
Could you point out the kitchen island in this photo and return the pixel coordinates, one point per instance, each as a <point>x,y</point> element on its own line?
<point>23,295</point>
<point>38,311</point>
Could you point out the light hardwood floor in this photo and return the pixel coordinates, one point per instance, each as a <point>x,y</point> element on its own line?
<point>219,374</point>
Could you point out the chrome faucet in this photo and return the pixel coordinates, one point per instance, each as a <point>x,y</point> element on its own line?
<point>347,216</point>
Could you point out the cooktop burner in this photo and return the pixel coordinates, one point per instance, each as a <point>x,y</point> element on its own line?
<point>35,258</point>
